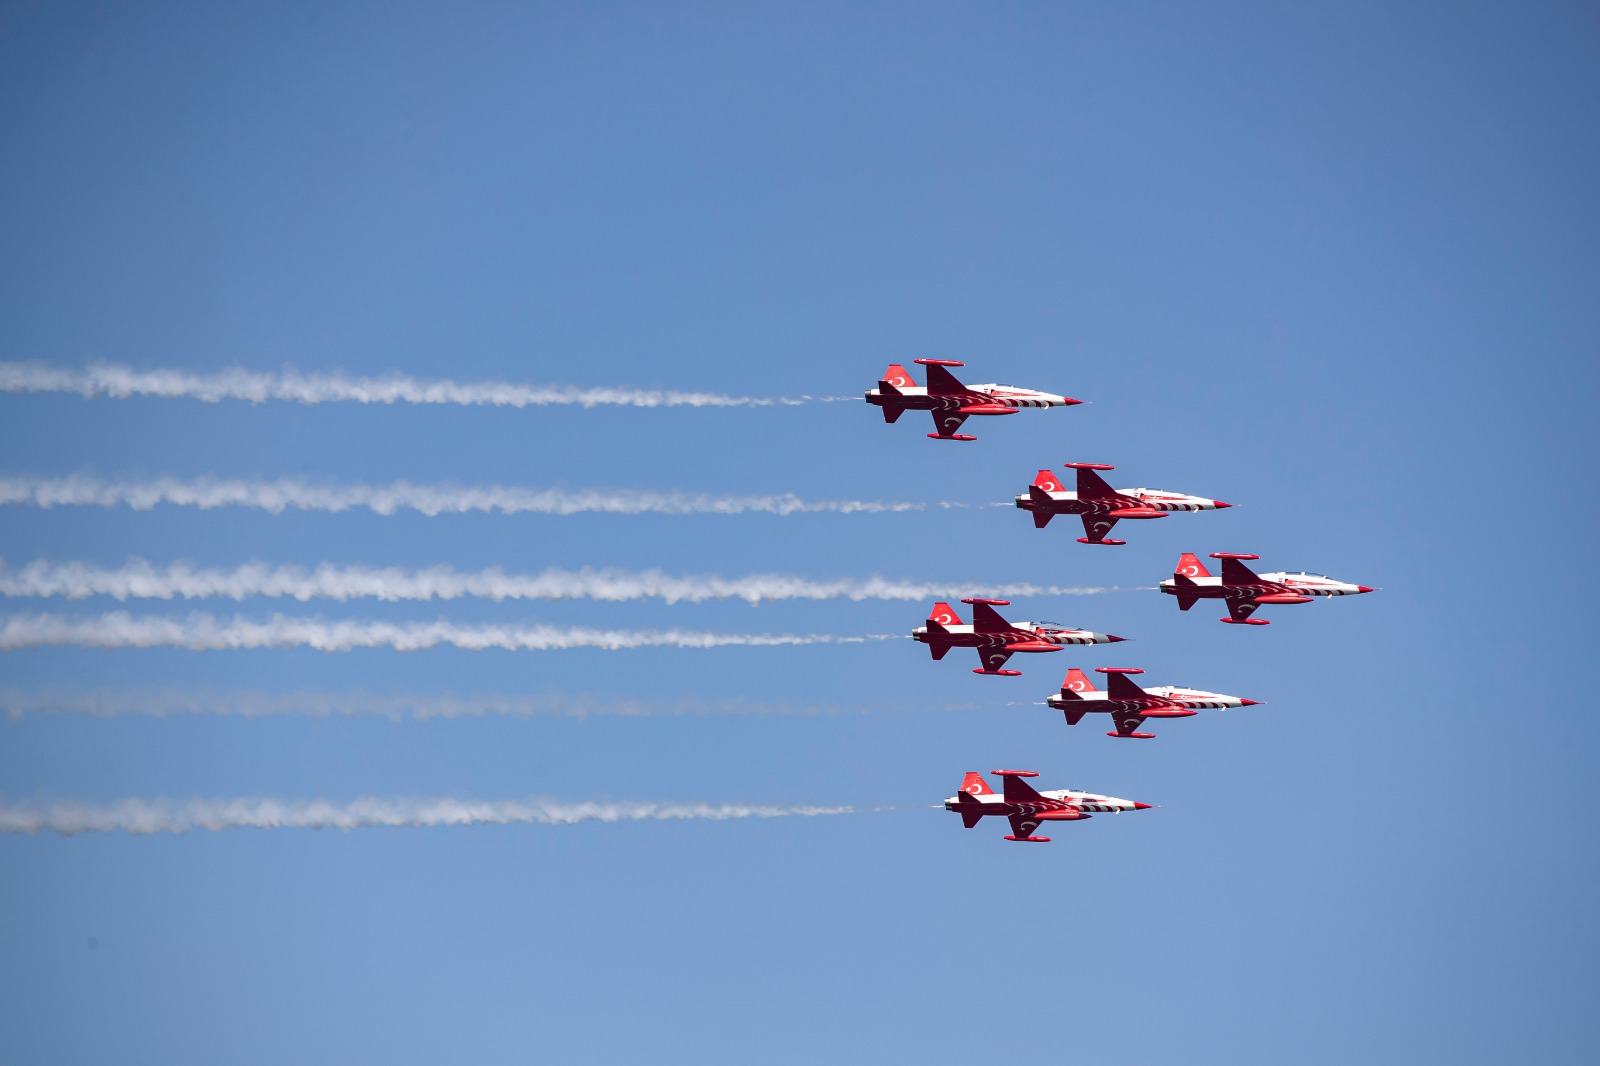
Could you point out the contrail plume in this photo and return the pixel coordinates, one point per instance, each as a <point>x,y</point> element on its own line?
<point>139,579</point>
<point>145,816</point>
<point>120,382</point>
<point>204,632</point>
<point>287,494</point>
<point>18,703</point>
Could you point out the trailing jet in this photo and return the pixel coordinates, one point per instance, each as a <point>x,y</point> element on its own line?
<point>1246,590</point>
<point>995,638</point>
<point>1129,705</point>
<point>1026,807</point>
<point>951,402</point>
<point>1101,506</point>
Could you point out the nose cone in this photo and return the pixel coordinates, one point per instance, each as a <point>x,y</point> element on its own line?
<point>1110,639</point>
<point>1219,503</point>
<point>1249,703</point>
<point>1363,588</point>
<point>1068,401</point>
<point>1141,806</point>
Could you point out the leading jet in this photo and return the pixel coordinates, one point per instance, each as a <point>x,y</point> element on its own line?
<point>995,638</point>
<point>1026,807</point>
<point>950,402</point>
<point>1129,704</point>
<point>1101,506</point>
<point>1245,590</point>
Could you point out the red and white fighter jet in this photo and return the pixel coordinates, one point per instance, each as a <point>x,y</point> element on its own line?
<point>1101,506</point>
<point>1244,590</point>
<point>1026,807</point>
<point>1129,704</point>
<point>951,402</point>
<point>995,638</point>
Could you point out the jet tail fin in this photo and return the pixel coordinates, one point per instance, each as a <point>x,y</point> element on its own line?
<point>974,785</point>
<point>1075,682</point>
<point>1189,565</point>
<point>896,378</point>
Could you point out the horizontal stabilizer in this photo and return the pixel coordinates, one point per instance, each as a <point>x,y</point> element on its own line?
<point>1074,715</point>
<point>971,818</point>
<point>892,412</point>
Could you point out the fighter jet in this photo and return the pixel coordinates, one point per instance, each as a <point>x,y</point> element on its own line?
<point>1101,506</point>
<point>995,638</point>
<point>950,402</point>
<point>1026,807</point>
<point>1245,590</point>
<point>1129,705</point>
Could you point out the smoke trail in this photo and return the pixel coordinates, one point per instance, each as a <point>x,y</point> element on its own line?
<point>139,579</point>
<point>419,707</point>
<point>144,816</point>
<point>236,383</point>
<point>289,494</point>
<point>204,632</point>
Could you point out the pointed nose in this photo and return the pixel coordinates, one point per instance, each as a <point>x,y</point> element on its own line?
<point>1114,640</point>
<point>1219,503</point>
<point>1141,806</point>
<point>1249,703</point>
<point>1068,401</point>
<point>1363,588</point>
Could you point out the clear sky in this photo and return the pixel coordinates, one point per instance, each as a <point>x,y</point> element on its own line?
<point>1334,264</point>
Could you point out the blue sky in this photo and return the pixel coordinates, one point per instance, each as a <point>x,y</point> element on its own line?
<point>1332,265</point>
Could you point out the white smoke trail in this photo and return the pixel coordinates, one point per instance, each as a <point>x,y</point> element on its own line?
<point>144,816</point>
<point>419,707</point>
<point>290,494</point>
<point>236,383</point>
<point>139,579</point>
<point>204,632</point>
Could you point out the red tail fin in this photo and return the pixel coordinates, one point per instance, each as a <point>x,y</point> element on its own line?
<point>1047,480</point>
<point>945,615</point>
<point>974,784</point>
<point>1077,681</point>
<point>1189,565</point>
<point>899,377</point>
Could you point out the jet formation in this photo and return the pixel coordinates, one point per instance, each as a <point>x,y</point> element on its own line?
<point>995,638</point>
<point>949,401</point>
<point>1244,590</point>
<point>1099,505</point>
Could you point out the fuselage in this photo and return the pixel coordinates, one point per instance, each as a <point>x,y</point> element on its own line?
<point>1159,695</point>
<point>1023,637</point>
<point>1058,799</point>
<point>1004,398</point>
<point>1279,584</point>
<point>1067,502</point>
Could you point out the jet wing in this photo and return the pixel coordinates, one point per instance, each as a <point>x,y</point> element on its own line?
<point>1240,609</point>
<point>1127,722</point>
<point>1023,825</point>
<point>1096,526</point>
<point>947,422</point>
<point>993,658</point>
